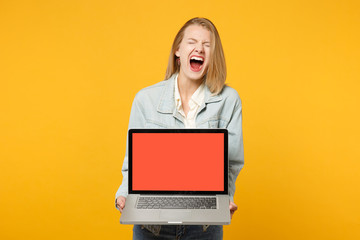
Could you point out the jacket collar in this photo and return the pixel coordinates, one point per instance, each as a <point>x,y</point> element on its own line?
<point>167,98</point>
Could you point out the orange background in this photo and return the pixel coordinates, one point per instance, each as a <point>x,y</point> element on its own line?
<point>160,162</point>
<point>69,71</point>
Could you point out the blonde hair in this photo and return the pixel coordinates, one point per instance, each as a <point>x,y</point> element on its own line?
<point>216,73</point>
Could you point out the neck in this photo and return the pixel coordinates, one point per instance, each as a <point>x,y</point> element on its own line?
<point>187,86</point>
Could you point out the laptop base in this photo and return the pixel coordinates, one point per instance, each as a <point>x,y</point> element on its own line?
<point>219,216</point>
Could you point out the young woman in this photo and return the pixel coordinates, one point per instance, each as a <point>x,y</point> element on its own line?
<point>193,95</point>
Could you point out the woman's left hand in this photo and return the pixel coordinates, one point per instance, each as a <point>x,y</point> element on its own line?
<point>233,207</point>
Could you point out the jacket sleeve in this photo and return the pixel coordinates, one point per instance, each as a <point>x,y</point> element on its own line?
<point>236,147</point>
<point>137,120</point>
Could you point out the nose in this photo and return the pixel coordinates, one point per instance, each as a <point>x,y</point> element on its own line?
<point>199,48</point>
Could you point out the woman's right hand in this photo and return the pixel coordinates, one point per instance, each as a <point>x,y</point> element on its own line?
<point>120,203</point>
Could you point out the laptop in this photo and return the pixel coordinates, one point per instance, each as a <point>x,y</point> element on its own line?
<point>177,176</point>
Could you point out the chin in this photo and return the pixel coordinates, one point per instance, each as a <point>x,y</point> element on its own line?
<point>200,77</point>
<point>197,78</point>
<point>196,75</point>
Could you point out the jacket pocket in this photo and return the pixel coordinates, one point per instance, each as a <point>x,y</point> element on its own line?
<point>217,123</point>
<point>153,124</point>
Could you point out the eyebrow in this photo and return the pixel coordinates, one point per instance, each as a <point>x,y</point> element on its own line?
<point>197,40</point>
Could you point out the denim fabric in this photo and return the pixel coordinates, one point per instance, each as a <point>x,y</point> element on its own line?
<point>154,107</point>
<point>179,232</point>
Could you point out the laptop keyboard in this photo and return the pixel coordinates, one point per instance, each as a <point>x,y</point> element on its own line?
<point>176,203</point>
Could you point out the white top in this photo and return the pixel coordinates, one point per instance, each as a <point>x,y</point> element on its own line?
<point>196,100</point>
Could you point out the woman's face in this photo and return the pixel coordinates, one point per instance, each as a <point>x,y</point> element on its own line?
<point>194,52</point>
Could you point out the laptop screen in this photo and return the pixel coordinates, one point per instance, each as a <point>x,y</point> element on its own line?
<point>178,161</point>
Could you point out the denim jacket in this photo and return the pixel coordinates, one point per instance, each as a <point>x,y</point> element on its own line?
<point>154,107</point>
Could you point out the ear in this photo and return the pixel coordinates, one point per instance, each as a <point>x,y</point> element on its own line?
<point>177,53</point>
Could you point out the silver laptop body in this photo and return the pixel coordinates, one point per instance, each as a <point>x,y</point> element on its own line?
<point>177,176</point>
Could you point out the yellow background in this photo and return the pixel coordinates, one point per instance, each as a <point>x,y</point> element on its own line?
<point>69,71</point>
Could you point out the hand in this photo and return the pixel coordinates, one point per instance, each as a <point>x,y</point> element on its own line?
<point>233,207</point>
<point>120,203</point>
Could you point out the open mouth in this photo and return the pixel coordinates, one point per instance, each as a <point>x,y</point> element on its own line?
<point>196,63</point>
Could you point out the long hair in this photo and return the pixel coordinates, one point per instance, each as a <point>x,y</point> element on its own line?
<point>216,73</point>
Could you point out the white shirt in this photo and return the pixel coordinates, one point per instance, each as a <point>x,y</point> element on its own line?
<point>196,100</point>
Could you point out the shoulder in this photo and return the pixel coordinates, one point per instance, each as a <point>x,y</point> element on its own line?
<point>230,94</point>
<point>150,92</point>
